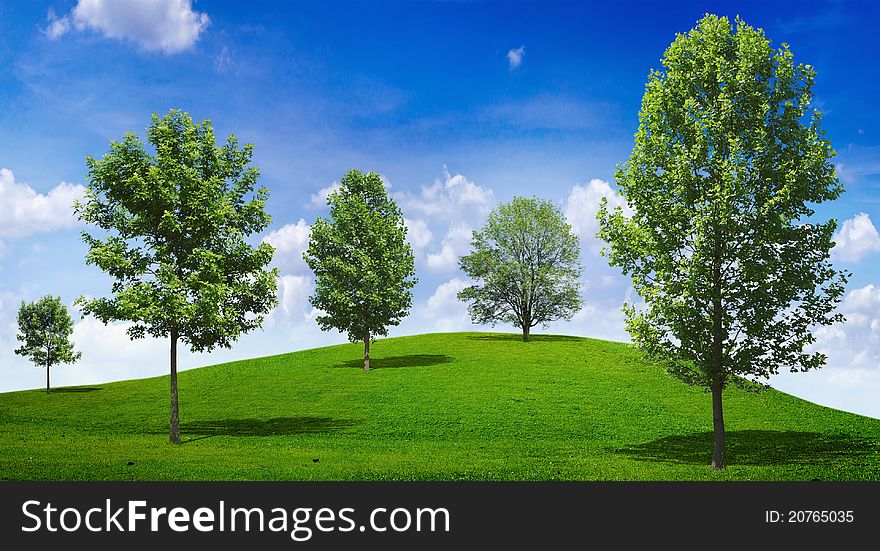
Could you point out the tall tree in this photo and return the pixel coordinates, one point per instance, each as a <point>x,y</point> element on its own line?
<point>177,224</point>
<point>44,330</point>
<point>526,260</point>
<point>722,245</point>
<point>363,265</point>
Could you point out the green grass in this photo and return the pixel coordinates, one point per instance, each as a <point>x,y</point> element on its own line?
<point>455,406</point>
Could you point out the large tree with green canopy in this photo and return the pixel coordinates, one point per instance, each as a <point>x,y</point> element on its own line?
<point>723,245</point>
<point>175,229</point>
<point>364,267</point>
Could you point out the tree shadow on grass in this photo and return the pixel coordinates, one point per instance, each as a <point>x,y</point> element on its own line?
<point>75,389</point>
<point>518,337</point>
<point>278,426</point>
<point>755,447</point>
<point>411,360</point>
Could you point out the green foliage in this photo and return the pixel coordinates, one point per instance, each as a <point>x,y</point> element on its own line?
<point>527,263</point>
<point>449,406</point>
<point>177,224</point>
<point>363,265</point>
<point>728,158</point>
<point>44,331</point>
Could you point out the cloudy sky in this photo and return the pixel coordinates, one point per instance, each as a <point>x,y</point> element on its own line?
<point>458,105</point>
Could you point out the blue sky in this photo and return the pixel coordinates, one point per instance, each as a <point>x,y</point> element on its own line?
<point>458,105</point>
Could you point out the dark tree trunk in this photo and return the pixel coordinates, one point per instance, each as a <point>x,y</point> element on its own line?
<point>718,423</point>
<point>526,330</point>
<point>717,371</point>
<point>367,352</point>
<point>175,411</point>
<point>48,365</point>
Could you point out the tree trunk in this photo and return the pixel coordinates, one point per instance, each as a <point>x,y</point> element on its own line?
<point>526,330</point>
<point>367,352</point>
<point>717,371</point>
<point>718,423</point>
<point>48,359</point>
<point>175,411</point>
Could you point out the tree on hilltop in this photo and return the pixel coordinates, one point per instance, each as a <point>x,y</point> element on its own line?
<point>526,261</point>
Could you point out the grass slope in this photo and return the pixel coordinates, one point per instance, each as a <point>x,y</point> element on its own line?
<point>442,406</point>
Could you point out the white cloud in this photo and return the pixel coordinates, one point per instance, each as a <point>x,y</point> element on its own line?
<point>456,241</point>
<point>445,259</point>
<point>855,343</point>
<point>443,311</point>
<point>515,57</point>
<point>23,211</point>
<point>856,238</point>
<point>851,378</point>
<point>320,199</point>
<point>862,300</point>
<point>450,198</point>
<point>417,233</point>
<point>290,242</point>
<point>169,26</point>
<point>293,296</point>
<point>583,204</point>
<point>57,27</point>
<point>110,354</point>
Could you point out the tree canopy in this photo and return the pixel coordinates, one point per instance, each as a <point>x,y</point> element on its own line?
<point>723,246</point>
<point>526,261</point>
<point>364,267</point>
<point>175,238</point>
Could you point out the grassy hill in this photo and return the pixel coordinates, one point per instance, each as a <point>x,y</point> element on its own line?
<point>442,406</point>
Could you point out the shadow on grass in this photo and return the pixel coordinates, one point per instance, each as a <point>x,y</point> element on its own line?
<point>411,360</point>
<point>754,447</point>
<point>518,337</point>
<point>75,389</point>
<point>279,426</point>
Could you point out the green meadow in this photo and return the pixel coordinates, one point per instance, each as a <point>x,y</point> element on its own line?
<point>452,406</point>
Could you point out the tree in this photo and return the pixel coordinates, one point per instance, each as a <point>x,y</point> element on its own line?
<point>721,246</point>
<point>178,224</point>
<point>45,328</point>
<point>528,260</point>
<point>363,265</point>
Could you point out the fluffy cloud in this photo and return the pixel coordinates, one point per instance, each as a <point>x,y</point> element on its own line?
<point>417,233</point>
<point>319,199</point>
<point>169,26</point>
<point>293,295</point>
<point>583,204</point>
<point>290,242</point>
<point>455,243</point>
<point>452,198</point>
<point>515,57</point>
<point>443,311</point>
<point>855,343</point>
<point>856,238</point>
<point>851,378</point>
<point>296,282</point>
<point>23,211</point>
